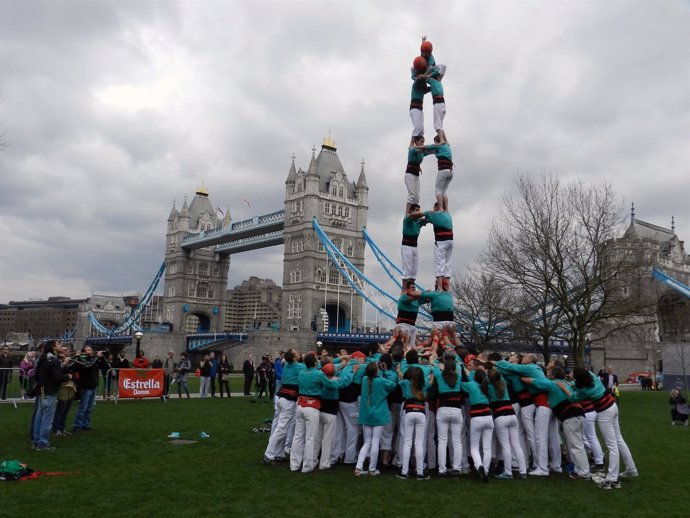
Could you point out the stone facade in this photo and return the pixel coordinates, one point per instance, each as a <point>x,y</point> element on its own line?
<point>666,313</point>
<point>196,281</point>
<point>312,286</point>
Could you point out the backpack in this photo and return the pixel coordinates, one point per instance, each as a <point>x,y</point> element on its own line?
<point>13,470</point>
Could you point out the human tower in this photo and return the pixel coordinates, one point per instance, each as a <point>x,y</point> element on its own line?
<point>432,403</point>
<point>426,78</point>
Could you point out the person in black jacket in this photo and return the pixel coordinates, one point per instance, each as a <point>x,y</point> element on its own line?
<point>248,371</point>
<point>49,376</point>
<point>88,371</point>
<point>5,371</point>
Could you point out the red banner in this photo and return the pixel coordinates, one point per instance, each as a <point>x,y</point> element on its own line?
<point>137,383</point>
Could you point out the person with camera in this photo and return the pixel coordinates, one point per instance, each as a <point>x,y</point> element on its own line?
<point>49,375</point>
<point>88,370</point>
<point>181,370</point>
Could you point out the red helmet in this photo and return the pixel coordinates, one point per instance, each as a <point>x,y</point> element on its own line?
<point>426,47</point>
<point>419,64</point>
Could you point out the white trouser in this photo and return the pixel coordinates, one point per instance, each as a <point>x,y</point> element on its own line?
<point>449,419</point>
<point>443,179</point>
<point>439,115</point>
<point>554,443</point>
<point>415,428</point>
<point>527,416</point>
<point>338,442</point>
<point>523,436</point>
<point>306,428</point>
<point>282,420</point>
<point>389,429</point>
<point>400,443</point>
<point>430,444</point>
<point>508,437</point>
<point>324,439</point>
<point>573,430</point>
<point>542,429</point>
<point>410,333</point>
<point>370,448</point>
<point>417,118</point>
<point>204,384</point>
<point>591,438</point>
<point>412,183</point>
<point>481,429</point>
<point>465,436</point>
<point>443,255</point>
<point>410,261</point>
<point>350,413</point>
<point>611,432</point>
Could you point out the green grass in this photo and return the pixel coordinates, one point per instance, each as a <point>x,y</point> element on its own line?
<point>126,466</point>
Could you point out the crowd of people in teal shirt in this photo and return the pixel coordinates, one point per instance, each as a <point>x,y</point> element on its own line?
<point>446,412</point>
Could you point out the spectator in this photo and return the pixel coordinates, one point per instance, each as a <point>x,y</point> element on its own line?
<point>26,372</point>
<point>223,375</point>
<point>278,369</point>
<point>157,363</point>
<point>182,369</point>
<point>141,361</point>
<point>64,403</point>
<point>248,371</point>
<point>262,377</point>
<point>205,376</point>
<point>5,371</point>
<point>49,376</point>
<point>214,372</point>
<point>169,366</point>
<point>679,408</point>
<point>89,363</point>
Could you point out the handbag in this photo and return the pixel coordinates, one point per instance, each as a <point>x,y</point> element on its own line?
<point>683,408</point>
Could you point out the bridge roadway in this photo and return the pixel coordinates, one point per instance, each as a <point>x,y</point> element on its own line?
<point>249,234</point>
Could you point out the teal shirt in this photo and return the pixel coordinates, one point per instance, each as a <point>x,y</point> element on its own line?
<point>441,219</point>
<point>426,369</point>
<point>493,395</point>
<point>441,301</point>
<point>312,381</point>
<point>412,227</point>
<point>553,391</point>
<point>527,370</point>
<point>415,156</point>
<point>474,390</point>
<point>592,393</point>
<point>405,387</point>
<point>373,407</point>
<point>405,303</point>
<point>440,150</point>
<point>291,372</point>
<point>443,387</point>
<point>344,379</point>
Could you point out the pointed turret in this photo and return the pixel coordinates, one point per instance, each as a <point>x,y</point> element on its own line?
<point>184,216</point>
<point>227,220</point>
<point>292,174</point>
<point>312,164</point>
<point>362,180</point>
<point>173,212</point>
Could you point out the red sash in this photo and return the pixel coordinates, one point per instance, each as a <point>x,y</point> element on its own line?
<point>310,402</point>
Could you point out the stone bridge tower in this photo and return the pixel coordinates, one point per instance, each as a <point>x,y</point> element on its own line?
<point>195,280</point>
<point>312,286</point>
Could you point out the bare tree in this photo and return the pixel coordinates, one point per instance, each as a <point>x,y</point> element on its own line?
<point>556,244</point>
<point>480,301</point>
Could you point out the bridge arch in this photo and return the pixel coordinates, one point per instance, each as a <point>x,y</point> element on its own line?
<point>197,322</point>
<point>673,316</point>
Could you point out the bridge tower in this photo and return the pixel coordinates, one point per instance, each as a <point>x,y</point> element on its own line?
<point>312,285</point>
<point>196,281</point>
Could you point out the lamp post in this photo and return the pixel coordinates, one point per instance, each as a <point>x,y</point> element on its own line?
<point>138,336</point>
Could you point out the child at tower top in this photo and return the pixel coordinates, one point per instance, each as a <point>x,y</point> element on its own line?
<point>444,158</point>
<point>426,71</point>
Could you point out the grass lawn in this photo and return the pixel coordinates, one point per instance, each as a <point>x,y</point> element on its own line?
<point>127,467</point>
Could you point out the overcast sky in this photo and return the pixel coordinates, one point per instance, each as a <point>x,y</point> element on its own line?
<point>109,111</point>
